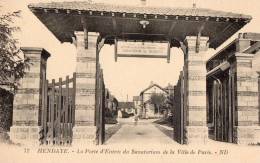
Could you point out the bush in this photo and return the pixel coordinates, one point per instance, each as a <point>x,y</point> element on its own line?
<point>6,110</point>
<point>4,137</point>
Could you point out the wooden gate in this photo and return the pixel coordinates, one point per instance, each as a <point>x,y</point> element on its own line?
<point>58,110</point>
<point>100,106</point>
<point>221,101</point>
<point>179,111</point>
<point>259,97</point>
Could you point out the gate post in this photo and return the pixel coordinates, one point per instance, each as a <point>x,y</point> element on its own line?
<point>84,131</point>
<point>195,89</point>
<point>27,100</point>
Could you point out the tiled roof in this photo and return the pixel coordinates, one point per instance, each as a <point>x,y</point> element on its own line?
<point>87,6</point>
<point>153,85</point>
<point>223,51</point>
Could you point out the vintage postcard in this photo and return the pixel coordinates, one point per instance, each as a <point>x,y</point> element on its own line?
<point>129,81</point>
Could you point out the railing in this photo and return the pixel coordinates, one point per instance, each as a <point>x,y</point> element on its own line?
<point>58,111</point>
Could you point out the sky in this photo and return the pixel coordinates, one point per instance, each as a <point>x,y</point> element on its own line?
<point>128,76</point>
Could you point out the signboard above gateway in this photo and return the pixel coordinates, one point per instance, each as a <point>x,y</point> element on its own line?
<point>142,49</point>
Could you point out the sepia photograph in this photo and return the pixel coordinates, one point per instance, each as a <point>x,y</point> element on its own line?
<point>129,81</point>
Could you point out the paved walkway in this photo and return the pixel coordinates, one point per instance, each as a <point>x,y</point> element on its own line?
<point>144,132</point>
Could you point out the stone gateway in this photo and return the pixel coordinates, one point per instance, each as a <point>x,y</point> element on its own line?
<point>217,99</point>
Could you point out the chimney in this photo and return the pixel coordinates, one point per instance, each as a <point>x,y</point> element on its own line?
<point>151,83</point>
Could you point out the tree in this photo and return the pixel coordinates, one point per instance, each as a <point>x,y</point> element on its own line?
<point>12,65</point>
<point>158,100</point>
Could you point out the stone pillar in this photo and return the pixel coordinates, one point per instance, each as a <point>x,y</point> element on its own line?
<point>84,131</point>
<point>195,89</point>
<point>27,101</point>
<point>247,111</point>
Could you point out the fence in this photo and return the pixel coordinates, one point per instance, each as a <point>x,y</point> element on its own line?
<point>58,110</point>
